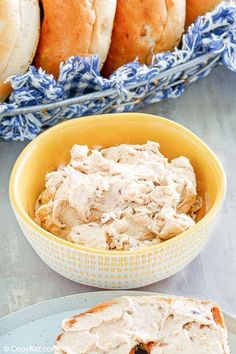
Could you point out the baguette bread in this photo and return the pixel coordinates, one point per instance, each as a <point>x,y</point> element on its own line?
<point>197,8</point>
<point>19,31</point>
<point>74,27</point>
<point>156,324</point>
<point>142,28</point>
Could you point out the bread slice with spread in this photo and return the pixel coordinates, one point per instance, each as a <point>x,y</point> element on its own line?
<point>154,324</point>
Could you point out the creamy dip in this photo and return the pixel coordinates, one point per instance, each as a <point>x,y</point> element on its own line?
<point>123,197</point>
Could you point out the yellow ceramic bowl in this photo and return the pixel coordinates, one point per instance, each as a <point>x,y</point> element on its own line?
<point>114,269</point>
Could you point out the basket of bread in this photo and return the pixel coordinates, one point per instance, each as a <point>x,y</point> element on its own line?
<point>69,58</point>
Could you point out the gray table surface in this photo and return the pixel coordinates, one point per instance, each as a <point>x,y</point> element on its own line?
<point>208,108</point>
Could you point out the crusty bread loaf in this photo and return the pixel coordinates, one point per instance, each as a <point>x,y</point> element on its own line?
<point>74,27</point>
<point>19,31</point>
<point>195,8</point>
<point>156,324</point>
<point>142,28</point>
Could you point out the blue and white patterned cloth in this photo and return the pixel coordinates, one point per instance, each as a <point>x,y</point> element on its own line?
<point>213,33</point>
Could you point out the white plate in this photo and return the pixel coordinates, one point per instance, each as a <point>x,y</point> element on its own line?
<point>33,329</point>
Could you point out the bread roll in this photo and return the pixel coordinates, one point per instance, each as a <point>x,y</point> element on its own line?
<point>142,28</point>
<point>195,8</point>
<point>74,27</point>
<point>19,33</point>
<point>156,324</point>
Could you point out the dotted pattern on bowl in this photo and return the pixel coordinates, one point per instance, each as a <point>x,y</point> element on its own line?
<point>118,271</point>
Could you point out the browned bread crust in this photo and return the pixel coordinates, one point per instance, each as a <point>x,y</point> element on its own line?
<point>74,27</point>
<point>63,23</point>
<point>197,8</point>
<point>142,28</point>
<point>218,317</point>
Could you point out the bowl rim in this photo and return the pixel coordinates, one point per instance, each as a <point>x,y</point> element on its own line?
<point>20,211</point>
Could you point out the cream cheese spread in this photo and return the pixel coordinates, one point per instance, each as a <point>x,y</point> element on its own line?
<point>123,197</point>
<point>160,325</point>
